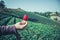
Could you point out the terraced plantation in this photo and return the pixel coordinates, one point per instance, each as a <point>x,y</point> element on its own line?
<point>38,28</point>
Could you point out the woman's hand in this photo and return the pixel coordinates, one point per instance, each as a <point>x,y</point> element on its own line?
<point>20,25</point>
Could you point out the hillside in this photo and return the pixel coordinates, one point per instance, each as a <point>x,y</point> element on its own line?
<point>38,28</point>
<point>32,17</point>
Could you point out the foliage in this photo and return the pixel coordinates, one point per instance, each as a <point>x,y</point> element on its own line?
<point>38,28</point>
<point>2,4</point>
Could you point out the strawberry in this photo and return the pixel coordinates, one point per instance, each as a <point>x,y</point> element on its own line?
<point>25,17</point>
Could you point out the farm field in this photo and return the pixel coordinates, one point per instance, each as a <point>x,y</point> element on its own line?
<point>38,28</point>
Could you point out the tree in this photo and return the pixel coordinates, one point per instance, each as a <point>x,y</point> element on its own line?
<point>2,4</point>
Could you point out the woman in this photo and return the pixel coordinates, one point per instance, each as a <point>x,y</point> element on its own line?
<point>6,30</point>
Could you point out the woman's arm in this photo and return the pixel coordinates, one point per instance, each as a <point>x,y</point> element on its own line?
<point>5,30</point>
<point>12,29</point>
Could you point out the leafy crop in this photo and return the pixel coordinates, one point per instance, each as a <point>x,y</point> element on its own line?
<point>38,28</point>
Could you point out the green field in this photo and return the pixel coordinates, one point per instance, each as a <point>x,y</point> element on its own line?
<point>38,28</point>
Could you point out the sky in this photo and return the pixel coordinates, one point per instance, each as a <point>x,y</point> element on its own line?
<point>34,5</point>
